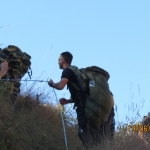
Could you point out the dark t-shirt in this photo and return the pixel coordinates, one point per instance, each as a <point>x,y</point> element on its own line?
<point>69,74</point>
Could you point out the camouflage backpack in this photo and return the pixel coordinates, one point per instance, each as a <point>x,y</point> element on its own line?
<point>18,62</point>
<point>98,100</point>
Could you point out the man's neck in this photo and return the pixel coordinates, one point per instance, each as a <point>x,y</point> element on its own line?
<point>66,66</point>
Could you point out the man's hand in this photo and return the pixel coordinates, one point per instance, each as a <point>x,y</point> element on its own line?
<point>50,83</point>
<point>60,85</point>
<point>63,101</point>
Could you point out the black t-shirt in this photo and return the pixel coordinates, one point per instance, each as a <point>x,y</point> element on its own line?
<point>69,74</point>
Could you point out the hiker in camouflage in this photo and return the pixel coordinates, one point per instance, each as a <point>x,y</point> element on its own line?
<point>11,67</point>
<point>7,88</point>
<point>77,97</point>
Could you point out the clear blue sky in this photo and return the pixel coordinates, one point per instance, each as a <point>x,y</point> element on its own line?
<point>114,35</point>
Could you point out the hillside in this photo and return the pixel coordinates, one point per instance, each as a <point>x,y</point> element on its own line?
<point>38,127</point>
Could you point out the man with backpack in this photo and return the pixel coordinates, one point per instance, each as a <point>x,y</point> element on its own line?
<point>79,82</point>
<point>14,64</point>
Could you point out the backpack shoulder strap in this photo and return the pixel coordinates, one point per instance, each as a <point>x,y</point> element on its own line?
<point>81,77</point>
<point>75,85</point>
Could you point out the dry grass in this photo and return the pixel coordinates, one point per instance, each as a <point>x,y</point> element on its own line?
<point>33,127</point>
<point>39,127</point>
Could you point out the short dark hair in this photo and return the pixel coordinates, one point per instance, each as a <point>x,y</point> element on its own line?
<point>67,57</point>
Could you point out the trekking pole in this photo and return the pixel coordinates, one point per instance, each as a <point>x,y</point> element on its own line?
<point>65,138</point>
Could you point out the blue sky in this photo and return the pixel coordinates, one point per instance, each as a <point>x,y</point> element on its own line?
<point>114,35</point>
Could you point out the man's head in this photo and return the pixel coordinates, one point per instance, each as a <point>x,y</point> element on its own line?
<point>65,60</point>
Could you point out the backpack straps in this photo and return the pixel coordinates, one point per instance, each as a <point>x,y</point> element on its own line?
<point>79,80</point>
<point>75,86</point>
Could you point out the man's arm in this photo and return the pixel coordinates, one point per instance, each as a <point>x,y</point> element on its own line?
<point>64,101</point>
<point>60,85</point>
<point>4,69</point>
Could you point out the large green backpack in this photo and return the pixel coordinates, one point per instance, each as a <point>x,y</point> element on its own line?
<point>98,100</point>
<point>18,62</point>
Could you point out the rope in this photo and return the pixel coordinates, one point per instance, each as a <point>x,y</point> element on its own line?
<point>22,80</point>
<point>65,138</point>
